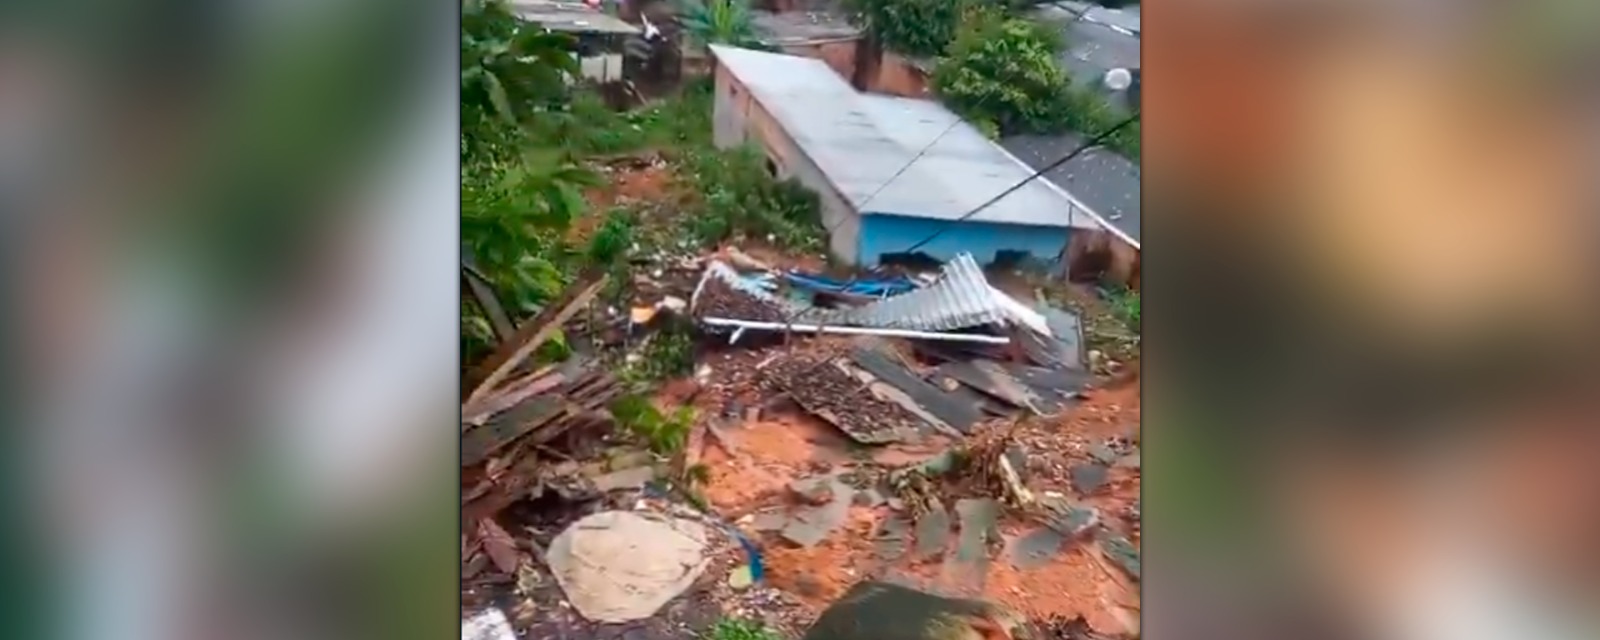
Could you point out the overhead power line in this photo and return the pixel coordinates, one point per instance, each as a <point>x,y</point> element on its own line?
<point>1088,144</point>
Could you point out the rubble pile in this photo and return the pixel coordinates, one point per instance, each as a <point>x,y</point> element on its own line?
<point>890,439</point>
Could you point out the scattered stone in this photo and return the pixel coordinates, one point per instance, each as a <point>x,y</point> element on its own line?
<point>1066,518</point>
<point>740,579</point>
<point>810,526</point>
<point>625,459</point>
<point>625,479</point>
<point>932,531</point>
<point>1017,455</point>
<point>620,566</point>
<point>489,624</point>
<point>813,491</point>
<point>1130,461</point>
<point>1103,453</point>
<point>1037,548</point>
<point>768,521</point>
<point>870,498</point>
<point>892,538</point>
<point>979,522</point>
<point>1088,478</point>
<point>1122,552</point>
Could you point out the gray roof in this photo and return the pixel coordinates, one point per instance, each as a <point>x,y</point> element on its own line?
<point>570,17</point>
<point>1098,41</point>
<point>799,27</point>
<point>1104,181</point>
<point>934,165</point>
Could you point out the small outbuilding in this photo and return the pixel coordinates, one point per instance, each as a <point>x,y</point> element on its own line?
<point>896,176</point>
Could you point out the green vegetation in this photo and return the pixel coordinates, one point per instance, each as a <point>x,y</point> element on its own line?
<point>669,354</point>
<point>529,139</point>
<point>995,66</point>
<point>1001,73</point>
<point>741,196</point>
<point>665,434</point>
<point>728,22</point>
<point>1124,305</point>
<point>740,629</point>
<point>919,28</point>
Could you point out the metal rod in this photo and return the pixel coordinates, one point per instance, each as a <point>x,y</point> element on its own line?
<point>742,325</point>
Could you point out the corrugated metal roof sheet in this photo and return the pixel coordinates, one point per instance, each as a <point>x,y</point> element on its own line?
<point>573,17</point>
<point>961,298</point>
<point>863,142</point>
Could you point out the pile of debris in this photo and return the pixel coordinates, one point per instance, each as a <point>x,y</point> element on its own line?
<point>888,361</point>
<point>993,352</point>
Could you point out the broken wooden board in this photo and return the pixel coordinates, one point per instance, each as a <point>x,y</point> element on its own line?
<point>533,333</point>
<point>540,418</point>
<point>987,376</point>
<point>1055,388</point>
<point>478,443</point>
<point>947,408</point>
<point>513,394</point>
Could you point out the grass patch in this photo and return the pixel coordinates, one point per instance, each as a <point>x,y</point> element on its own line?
<point>739,629</point>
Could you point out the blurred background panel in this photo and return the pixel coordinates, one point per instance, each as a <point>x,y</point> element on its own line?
<point>1381,232</point>
<point>232,250</point>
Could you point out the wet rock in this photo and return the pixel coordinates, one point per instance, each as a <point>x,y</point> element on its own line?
<point>768,521</point>
<point>1103,453</point>
<point>932,531</point>
<point>489,624</point>
<point>1017,455</point>
<point>979,523</point>
<point>809,526</point>
<point>620,566</point>
<point>813,491</point>
<point>1037,548</point>
<point>1066,518</point>
<point>625,479</point>
<point>892,538</point>
<point>1088,478</point>
<point>1122,552</point>
<point>870,498</point>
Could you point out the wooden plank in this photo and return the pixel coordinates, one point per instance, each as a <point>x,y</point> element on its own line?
<point>532,334</point>
<point>483,294</point>
<point>478,443</point>
<point>528,386</point>
<point>948,409</point>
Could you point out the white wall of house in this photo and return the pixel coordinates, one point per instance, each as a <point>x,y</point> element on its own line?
<point>737,118</point>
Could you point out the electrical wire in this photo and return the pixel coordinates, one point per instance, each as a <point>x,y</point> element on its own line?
<point>896,176</point>
<point>1090,143</point>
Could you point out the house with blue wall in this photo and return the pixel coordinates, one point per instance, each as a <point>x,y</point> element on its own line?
<point>894,175</point>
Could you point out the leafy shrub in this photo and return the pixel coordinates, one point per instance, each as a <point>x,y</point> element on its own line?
<point>509,68</point>
<point>611,241</point>
<point>920,28</point>
<point>1003,74</point>
<point>665,434</point>
<point>513,218</point>
<point>741,196</point>
<point>728,22</point>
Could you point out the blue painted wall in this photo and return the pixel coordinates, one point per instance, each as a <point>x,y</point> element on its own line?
<point>882,233</point>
